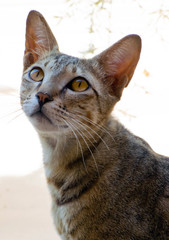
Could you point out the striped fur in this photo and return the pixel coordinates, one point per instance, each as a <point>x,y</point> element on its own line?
<point>105,182</point>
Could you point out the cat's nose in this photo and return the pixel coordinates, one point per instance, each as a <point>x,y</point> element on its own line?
<point>43,98</point>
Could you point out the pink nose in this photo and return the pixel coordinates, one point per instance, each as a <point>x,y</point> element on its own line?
<point>43,98</point>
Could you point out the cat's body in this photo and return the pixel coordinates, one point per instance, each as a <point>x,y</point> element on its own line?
<point>105,182</point>
<point>128,199</point>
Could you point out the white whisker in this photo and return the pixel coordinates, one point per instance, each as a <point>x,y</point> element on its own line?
<point>82,136</point>
<point>83,126</point>
<point>95,133</point>
<point>11,113</point>
<point>95,124</point>
<point>18,115</point>
<point>77,139</point>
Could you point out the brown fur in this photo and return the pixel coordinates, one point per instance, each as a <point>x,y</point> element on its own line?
<point>105,183</point>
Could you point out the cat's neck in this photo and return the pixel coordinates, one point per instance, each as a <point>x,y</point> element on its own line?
<point>57,149</point>
<point>67,168</point>
<point>60,152</point>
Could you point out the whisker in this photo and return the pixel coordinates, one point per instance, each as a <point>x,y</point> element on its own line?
<point>18,115</point>
<point>11,113</point>
<point>96,134</point>
<point>95,124</point>
<point>80,133</point>
<point>82,125</point>
<point>85,134</point>
<point>77,139</point>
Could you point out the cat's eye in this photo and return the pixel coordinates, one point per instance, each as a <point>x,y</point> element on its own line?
<point>79,85</point>
<point>36,74</point>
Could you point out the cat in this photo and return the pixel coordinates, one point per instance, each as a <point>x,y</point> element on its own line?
<point>105,183</point>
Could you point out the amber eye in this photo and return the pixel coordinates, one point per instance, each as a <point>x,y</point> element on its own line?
<point>79,85</point>
<point>36,74</point>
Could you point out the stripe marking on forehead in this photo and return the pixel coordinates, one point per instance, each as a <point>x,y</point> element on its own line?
<point>46,63</point>
<point>65,60</point>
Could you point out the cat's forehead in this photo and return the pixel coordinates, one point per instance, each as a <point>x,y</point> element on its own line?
<point>65,60</point>
<point>61,62</point>
<point>62,65</point>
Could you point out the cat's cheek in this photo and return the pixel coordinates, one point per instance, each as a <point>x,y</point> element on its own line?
<point>30,107</point>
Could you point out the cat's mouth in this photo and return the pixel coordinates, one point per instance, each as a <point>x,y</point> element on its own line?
<point>43,123</point>
<point>41,115</point>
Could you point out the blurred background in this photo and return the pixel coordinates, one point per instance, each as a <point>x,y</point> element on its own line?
<point>82,28</point>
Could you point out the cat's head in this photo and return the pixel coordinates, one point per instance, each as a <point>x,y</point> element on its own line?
<point>59,92</point>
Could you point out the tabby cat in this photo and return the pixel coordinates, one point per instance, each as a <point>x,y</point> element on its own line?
<point>105,182</point>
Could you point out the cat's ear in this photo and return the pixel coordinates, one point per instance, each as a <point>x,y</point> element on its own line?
<point>39,38</point>
<point>119,62</point>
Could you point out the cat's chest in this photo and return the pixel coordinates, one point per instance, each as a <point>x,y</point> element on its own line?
<point>67,219</point>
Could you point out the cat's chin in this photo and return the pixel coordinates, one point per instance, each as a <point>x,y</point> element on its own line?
<point>44,124</point>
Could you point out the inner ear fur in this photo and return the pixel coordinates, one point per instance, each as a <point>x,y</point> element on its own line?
<point>39,38</point>
<point>119,62</point>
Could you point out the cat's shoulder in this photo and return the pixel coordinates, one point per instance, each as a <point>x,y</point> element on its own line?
<point>134,145</point>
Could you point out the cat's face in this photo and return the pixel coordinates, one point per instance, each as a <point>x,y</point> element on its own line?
<point>60,93</point>
<point>72,92</point>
